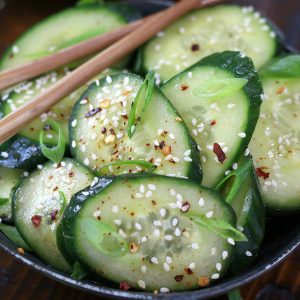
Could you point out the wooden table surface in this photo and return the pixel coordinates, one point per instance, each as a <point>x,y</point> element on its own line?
<point>18,282</point>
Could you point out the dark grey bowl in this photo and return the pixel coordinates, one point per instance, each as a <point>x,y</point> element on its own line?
<point>282,237</point>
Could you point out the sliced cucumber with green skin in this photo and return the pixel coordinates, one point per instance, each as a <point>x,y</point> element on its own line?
<point>21,153</point>
<point>242,193</point>
<point>59,31</point>
<point>206,31</point>
<point>138,229</point>
<point>275,144</point>
<point>222,97</point>
<point>59,112</point>
<point>9,179</point>
<point>38,206</point>
<point>99,136</point>
<point>12,234</point>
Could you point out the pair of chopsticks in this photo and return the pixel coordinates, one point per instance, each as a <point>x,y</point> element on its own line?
<point>120,42</point>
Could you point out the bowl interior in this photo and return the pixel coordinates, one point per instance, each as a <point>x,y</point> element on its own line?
<point>282,237</point>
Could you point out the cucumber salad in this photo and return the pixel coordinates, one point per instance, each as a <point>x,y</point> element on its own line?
<point>157,174</point>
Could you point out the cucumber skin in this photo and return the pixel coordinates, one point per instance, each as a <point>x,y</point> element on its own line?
<point>254,227</point>
<point>229,61</point>
<point>195,171</point>
<point>6,53</point>
<point>67,233</point>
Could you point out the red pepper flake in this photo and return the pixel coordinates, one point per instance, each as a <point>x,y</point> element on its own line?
<point>103,130</point>
<point>71,174</point>
<point>260,172</point>
<point>185,206</point>
<point>195,47</point>
<point>92,112</point>
<point>212,123</point>
<point>36,221</point>
<point>124,286</point>
<point>54,214</point>
<point>184,87</point>
<point>178,278</point>
<point>188,271</point>
<point>280,90</point>
<point>219,152</point>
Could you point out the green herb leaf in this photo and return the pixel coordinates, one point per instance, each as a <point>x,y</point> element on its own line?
<point>104,237</point>
<point>87,2</point>
<point>140,103</point>
<point>145,164</point>
<point>78,271</point>
<point>3,201</point>
<point>12,233</point>
<point>287,67</point>
<point>240,174</point>
<point>234,295</point>
<point>57,152</point>
<point>219,227</point>
<point>217,88</point>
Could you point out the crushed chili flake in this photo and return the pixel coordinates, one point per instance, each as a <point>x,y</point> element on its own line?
<point>53,215</point>
<point>124,286</point>
<point>212,123</point>
<point>280,90</point>
<point>185,206</point>
<point>195,47</point>
<point>162,144</point>
<point>203,281</point>
<point>21,251</point>
<point>219,152</point>
<point>103,130</point>
<point>188,271</point>
<point>92,112</point>
<point>36,221</point>
<point>261,173</point>
<point>71,174</point>
<point>112,131</point>
<point>178,278</point>
<point>184,87</point>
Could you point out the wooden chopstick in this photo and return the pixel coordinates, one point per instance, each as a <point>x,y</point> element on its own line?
<point>14,122</point>
<point>61,58</point>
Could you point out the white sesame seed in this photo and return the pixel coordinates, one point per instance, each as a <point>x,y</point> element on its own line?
<point>248,253</point>
<point>209,214</point>
<point>154,260</point>
<point>164,290</point>
<point>97,213</point>
<point>86,161</point>
<point>166,267</point>
<point>215,276</point>
<point>152,187</point>
<point>162,212</point>
<point>143,269</point>
<point>172,136</point>
<point>188,159</point>
<point>109,79</point>
<point>4,154</point>
<point>168,237</point>
<point>74,123</point>
<point>139,195</point>
<point>118,222</point>
<point>195,246</point>
<point>242,135</point>
<point>190,74</point>
<point>142,189</point>
<point>148,194</point>
<point>192,265</point>
<point>142,284</point>
<point>177,232</point>
<point>138,226</point>
<point>201,202</point>
<point>234,166</point>
<point>219,267</point>
<point>157,223</point>
<point>175,222</point>
<point>169,260</point>
<point>224,255</point>
<point>231,241</point>
<point>115,209</point>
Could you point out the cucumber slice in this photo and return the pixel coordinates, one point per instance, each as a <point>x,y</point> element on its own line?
<point>59,112</point>
<point>138,229</point>
<point>242,193</point>
<point>8,180</point>
<point>38,206</point>
<point>220,112</point>
<point>275,144</point>
<point>21,153</point>
<point>206,31</point>
<point>99,139</point>
<point>59,31</point>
